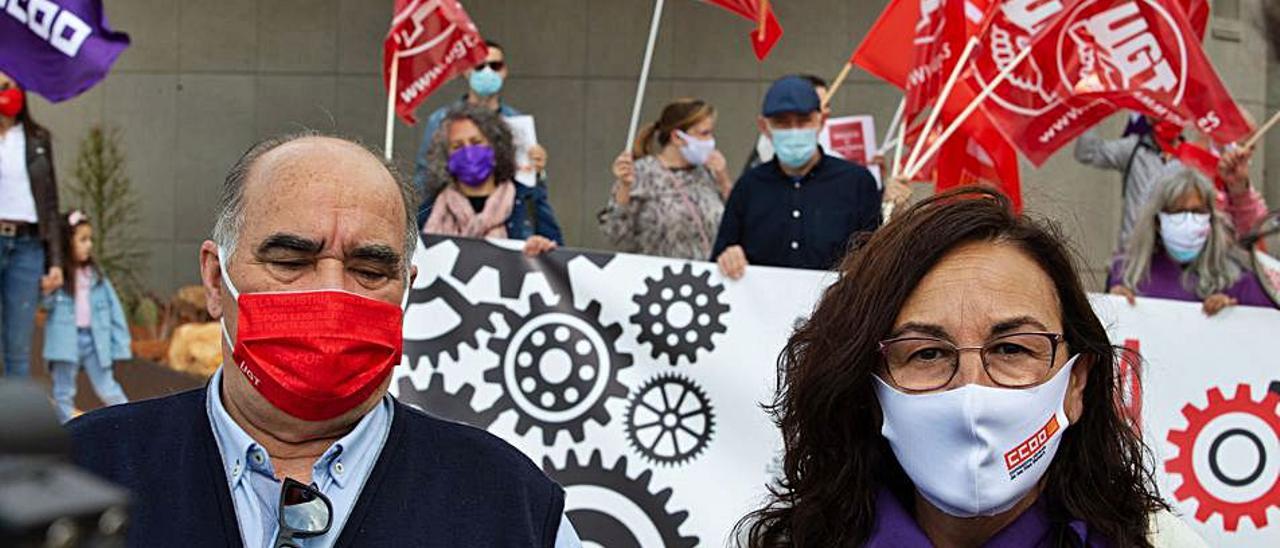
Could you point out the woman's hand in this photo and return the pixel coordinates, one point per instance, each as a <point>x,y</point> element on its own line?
<point>733,262</point>
<point>897,191</point>
<point>537,158</point>
<point>537,245</point>
<point>624,169</point>
<point>1217,303</point>
<point>720,170</point>
<point>1125,292</point>
<point>51,281</point>
<point>1234,170</point>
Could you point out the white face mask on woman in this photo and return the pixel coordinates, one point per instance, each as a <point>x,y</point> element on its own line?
<point>696,151</point>
<point>976,450</point>
<point>1184,234</point>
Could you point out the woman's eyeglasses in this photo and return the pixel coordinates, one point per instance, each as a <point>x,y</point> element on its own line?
<point>924,364</point>
<point>304,513</point>
<point>496,66</point>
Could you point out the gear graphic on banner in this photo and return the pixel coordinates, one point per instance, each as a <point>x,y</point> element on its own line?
<point>1229,457</point>
<point>453,406</point>
<point>472,321</point>
<point>669,420</point>
<point>679,314</point>
<point>557,367</point>
<point>602,503</point>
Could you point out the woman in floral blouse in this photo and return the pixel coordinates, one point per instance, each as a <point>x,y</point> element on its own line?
<point>670,191</point>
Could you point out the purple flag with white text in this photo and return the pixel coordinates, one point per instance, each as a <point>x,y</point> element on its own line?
<point>57,48</point>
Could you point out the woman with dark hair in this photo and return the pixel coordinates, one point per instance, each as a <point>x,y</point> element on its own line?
<point>472,156</point>
<point>30,246</point>
<point>954,388</point>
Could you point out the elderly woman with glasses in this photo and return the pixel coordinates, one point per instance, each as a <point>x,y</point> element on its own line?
<point>1183,248</point>
<point>954,388</point>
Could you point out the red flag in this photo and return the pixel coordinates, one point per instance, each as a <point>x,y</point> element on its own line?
<point>979,155</point>
<point>1141,55</point>
<point>431,41</point>
<point>750,10</point>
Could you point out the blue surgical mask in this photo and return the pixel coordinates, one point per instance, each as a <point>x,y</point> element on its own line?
<point>795,147</point>
<point>486,82</point>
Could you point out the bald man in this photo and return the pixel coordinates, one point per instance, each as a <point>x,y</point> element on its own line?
<point>295,441</point>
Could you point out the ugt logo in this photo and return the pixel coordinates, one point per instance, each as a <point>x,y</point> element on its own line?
<point>1113,46</point>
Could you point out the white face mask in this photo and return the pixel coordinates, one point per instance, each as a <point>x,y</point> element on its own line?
<point>976,450</point>
<point>696,151</point>
<point>1184,234</point>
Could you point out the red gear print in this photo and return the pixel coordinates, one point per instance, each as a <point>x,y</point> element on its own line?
<point>1197,419</point>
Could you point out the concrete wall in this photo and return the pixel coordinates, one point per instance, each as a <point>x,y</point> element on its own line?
<point>203,80</point>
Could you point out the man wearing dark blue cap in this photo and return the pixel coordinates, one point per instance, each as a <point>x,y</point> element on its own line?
<point>799,209</point>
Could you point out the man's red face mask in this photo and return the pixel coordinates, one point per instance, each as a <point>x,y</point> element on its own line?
<point>314,354</point>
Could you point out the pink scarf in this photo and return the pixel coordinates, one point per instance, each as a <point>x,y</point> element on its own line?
<point>452,215</point>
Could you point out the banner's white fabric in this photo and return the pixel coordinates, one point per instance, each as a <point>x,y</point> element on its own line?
<point>636,382</point>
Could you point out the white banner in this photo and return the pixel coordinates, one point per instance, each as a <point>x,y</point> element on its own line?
<point>636,382</point>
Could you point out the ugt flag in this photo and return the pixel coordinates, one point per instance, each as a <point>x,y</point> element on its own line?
<point>430,42</point>
<point>761,44</point>
<point>1142,55</point>
<point>57,48</point>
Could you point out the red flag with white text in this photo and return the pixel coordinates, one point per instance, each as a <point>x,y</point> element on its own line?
<point>750,10</point>
<point>430,41</point>
<point>1142,55</point>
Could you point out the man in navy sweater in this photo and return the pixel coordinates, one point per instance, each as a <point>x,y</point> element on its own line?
<point>308,270</point>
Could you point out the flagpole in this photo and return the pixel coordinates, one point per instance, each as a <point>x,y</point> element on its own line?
<point>391,106</point>
<point>1257,136</point>
<point>889,134</point>
<point>968,111</point>
<point>897,154</point>
<point>942,100</point>
<point>644,73</point>
<point>835,84</point>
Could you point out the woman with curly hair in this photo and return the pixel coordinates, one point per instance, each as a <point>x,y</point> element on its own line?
<point>472,156</point>
<point>954,388</point>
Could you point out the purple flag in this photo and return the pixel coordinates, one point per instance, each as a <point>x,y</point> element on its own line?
<point>57,48</point>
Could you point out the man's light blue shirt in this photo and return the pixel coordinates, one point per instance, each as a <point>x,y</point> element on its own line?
<point>339,473</point>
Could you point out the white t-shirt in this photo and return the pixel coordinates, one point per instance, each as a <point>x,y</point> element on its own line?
<point>16,201</point>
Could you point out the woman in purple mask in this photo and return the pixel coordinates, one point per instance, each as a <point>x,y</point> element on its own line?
<point>473,156</point>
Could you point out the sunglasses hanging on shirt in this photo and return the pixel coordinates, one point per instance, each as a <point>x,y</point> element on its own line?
<point>304,513</point>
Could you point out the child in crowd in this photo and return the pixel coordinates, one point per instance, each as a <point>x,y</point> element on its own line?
<point>86,326</point>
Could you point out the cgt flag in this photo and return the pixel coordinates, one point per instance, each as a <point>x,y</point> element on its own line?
<point>750,10</point>
<point>1142,55</point>
<point>430,42</point>
<point>57,48</point>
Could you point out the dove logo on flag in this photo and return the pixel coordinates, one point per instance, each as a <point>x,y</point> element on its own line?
<point>932,22</point>
<point>1114,49</point>
<point>1012,29</point>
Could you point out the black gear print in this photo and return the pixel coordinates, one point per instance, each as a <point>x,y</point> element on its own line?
<point>679,314</point>
<point>475,319</point>
<point>558,368</point>
<point>441,403</point>
<point>669,420</point>
<point>600,526</point>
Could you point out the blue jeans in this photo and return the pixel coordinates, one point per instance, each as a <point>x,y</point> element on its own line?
<point>21,266</point>
<point>64,378</point>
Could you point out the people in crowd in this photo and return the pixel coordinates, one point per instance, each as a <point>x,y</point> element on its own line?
<point>86,327</point>
<point>951,336</point>
<point>309,270</point>
<point>1147,154</point>
<point>485,83</point>
<point>800,209</point>
<point>669,192</point>
<point>31,250</point>
<point>474,160</point>
<point>1183,248</point>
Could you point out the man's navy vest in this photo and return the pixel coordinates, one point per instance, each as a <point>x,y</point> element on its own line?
<point>436,483</point>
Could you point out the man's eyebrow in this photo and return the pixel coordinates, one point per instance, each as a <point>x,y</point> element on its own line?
<point>378,253</point>
<point>283,241</point>
<point>929,329</point>
<point>1015,323</point>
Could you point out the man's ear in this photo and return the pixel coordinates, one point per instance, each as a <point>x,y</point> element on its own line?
<point>211,278</point>
<point>1074,404</point>
<point>763,124</point>
<point>413,275</point>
